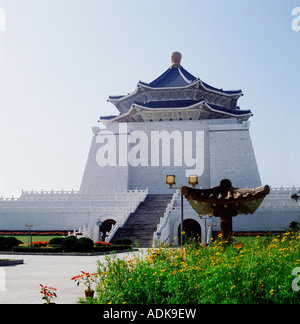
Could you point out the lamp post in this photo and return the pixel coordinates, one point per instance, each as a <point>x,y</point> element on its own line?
<point>99,224</point>
<point>207,226</point>
<point>171,181</point>
<point>29,226</point>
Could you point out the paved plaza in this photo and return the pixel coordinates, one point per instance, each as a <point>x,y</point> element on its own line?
<point>22,282</point>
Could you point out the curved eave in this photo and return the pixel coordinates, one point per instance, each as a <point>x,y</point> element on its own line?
<point>135,108</point>
<point>141,85</point>
<point>195,84</point>
<point>202,103</point>
<point>116,99</point>
<point>228,113</point>
<point>229,93</point>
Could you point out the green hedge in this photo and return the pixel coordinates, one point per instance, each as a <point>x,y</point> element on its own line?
<point>58,249</point>
<point>124,241</point>
<point>67,244</point>
<point>7,243</point>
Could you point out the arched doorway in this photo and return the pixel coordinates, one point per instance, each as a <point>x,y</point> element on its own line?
<point>192,230</point>
<point>105,228</point>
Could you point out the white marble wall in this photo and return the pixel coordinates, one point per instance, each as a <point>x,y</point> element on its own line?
<point>220,148</point>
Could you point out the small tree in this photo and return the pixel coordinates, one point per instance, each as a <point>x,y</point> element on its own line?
<point>296,196</point>
<point>68,243</point>
<point>294,226</point>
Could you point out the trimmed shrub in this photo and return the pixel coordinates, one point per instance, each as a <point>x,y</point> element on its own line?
<point>56,241</point>
<point>2,243</point>
<point>7,243</point>
<point>84,244</point>
<point>68,243</point>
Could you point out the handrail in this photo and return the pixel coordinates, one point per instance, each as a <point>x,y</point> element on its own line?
<point>165,219</point>
<point>126,215</point>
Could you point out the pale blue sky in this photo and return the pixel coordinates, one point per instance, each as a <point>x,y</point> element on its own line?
<point>61,59</point>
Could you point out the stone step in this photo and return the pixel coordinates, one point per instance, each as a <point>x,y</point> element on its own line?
<point>141,224</point>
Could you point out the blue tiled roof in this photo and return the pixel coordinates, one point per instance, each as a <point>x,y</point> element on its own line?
<point>108,117</point>
<point>179,77</point>
<point>173,77</point>
<point>207,86</point>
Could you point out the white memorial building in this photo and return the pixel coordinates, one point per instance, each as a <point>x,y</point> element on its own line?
<point>176,124</point>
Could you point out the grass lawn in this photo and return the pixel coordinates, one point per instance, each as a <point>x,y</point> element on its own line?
<point>249,239</point>
<point>35,238</point>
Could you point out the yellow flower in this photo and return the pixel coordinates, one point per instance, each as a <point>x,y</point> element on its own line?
<point>232,287</point>
<point>183,232</point>
<point>272,291</point>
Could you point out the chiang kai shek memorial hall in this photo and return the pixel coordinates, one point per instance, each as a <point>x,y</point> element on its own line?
<point>175,125</point>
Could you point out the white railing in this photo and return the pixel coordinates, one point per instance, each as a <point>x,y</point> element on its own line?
<point>284,189</point>
<point>96,198</point>
<point>82,232</point>
<point>55,208</point>
<point>9,199</point>
<point>95,194</point>
<point>132,208</point>
<point>49,192</point>
<point>161,235</point>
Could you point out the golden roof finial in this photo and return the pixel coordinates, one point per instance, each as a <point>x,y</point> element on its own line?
<point>176,59</point>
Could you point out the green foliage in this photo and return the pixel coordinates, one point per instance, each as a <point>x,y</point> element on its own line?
<point>84,244</point>
<point>294,226</point>
<point>295,196</point>
<point>111,248</point>
<point>69,243</point>
<point>56,241</point>
<point>7,243</point>
<point>258,272</point>
<point>125,241</point>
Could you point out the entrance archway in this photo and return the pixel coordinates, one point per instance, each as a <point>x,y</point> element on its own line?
<point>192,230</point>
<point>105,228</point>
